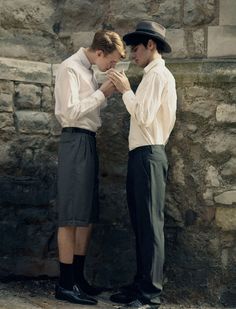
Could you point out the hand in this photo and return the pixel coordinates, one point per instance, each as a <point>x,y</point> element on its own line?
<point>120,80</point>
<point>107,88</point>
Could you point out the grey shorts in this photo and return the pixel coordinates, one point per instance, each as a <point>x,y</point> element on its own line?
<point>77,182</point>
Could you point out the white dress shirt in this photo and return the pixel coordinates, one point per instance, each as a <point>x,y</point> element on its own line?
<point>152,107</point>
<point>78,99</point>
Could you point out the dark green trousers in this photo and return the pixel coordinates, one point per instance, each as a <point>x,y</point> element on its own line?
<point>146,183</point>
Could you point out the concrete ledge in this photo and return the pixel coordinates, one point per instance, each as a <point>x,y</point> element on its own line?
<point>185,70</point>
<point>25,71</point>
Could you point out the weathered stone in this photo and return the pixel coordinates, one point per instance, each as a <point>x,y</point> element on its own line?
<point>178,171</point>
<point>6,157</point>
<point>229,168</point>
<point>176,39</point>
<point>212,177</point>
<point>36,14</point>
<point>226,218</point>
<point>198,12</point>
<point>208,197</point>
<point>26,71</point>
<point>47,99</point>
<point>6,120</point>
<point>221,41</point>
<point>27,96</point>
<point>169,13</point>
<point>232,92</point>
<point>220,142</point>
<point>208,214</point>
<point>225,257</point>
<point>195,42</point>
<point>25,44</point>
<point>55,127</point>
<point>202,107</point>
<point>226,113</point>
<point>6,86</point>
<point>33,122</point>
<point>6,102</point>
<point>82,39</point>
<point>227,12</point>
<point>226,198</point>
<point>69,11</point>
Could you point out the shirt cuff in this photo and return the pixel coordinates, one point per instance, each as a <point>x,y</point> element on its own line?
<point>99,96</point>
<point>128,96</point>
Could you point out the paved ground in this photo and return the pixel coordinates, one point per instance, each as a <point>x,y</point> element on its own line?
<point>40,295</point>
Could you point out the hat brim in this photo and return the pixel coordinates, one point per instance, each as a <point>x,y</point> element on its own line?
<point>132,37</point>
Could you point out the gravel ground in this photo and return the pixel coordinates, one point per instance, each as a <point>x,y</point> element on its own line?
<point>39,294</point>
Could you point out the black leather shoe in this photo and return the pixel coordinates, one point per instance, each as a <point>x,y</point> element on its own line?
<point>89,289</point>
<point>75,296</point>
<point>125,295</point>
<point>140,304</point>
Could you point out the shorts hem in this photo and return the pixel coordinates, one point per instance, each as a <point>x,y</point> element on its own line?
<point>75,223</point>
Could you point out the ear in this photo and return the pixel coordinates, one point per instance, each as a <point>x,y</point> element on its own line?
<point>99,53</point>
<point>151,44</point>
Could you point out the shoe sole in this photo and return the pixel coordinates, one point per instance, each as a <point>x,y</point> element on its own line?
<point>76,302</point>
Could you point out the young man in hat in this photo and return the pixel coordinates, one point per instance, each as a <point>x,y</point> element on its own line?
<point>153,111</point>
<point>78,104</point>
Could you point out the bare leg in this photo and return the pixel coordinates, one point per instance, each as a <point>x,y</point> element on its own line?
<point>66,244</point>
<point>82,238</point>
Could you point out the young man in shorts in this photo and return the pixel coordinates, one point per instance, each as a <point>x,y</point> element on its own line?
<point>78,104</point>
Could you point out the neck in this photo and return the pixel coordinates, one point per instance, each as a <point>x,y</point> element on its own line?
<point>90,55</point>
<point>155,56</point>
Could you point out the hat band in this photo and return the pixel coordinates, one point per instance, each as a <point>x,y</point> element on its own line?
<point>150,31</point>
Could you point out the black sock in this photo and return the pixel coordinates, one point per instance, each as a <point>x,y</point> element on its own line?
<point>66,279</point>
<point>78,264</point>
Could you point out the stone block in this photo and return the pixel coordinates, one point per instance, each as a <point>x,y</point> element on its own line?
<point>6,102</point>
<point>198,43</point>
<point>221,41</point>
<point>169,13</point>
<point>229,168</point>
<point>226,198</point>
<point>25,71</point>
<point>27,96</point>
<point>33,122</point>
<point>220,142</point>
<point>199,12</point>
<point>6,86</point>
<point>81,39</point>
<point>232,92</point>
<point>176,38</point>
<point>212,177</point>
<point>55,127</point>
<point>227,12</point>
<point>6,120</point>
<point>47,99</point>
<point>35,14</point>
<point>32,45</point>
<point>226,218</point>
<point>226,113</point>
<point>201,107</point>
<point>54,71</point>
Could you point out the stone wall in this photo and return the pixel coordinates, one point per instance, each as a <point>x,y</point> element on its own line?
<point>201,195</point>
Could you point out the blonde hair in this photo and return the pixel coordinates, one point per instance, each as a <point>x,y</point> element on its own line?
<point>108,42</point>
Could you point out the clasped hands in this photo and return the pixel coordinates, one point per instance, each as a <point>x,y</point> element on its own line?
<point>117,81</point>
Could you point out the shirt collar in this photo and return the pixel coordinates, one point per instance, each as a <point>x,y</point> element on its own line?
<point>83,58</point>
<point>158,61</point>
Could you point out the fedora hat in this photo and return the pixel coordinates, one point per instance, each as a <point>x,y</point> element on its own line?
<point>149,29</point>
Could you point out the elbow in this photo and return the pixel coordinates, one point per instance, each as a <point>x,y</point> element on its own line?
<point>72,114</point>
<point>145,122</point>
